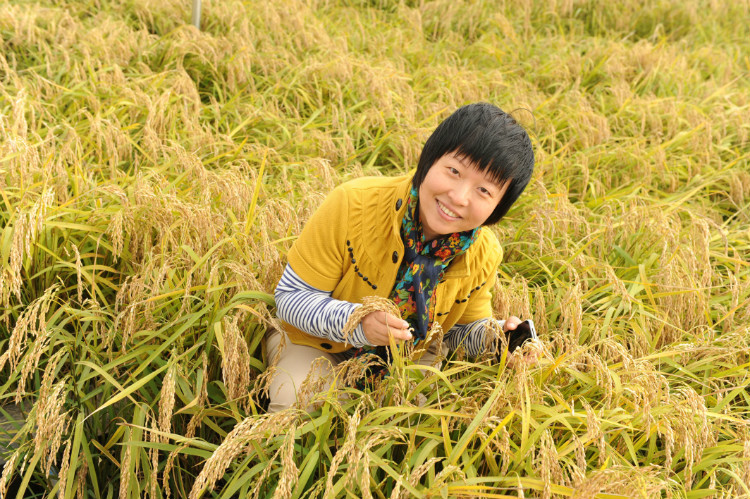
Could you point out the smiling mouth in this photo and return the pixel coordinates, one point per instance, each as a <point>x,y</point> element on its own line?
<point>447,211</point>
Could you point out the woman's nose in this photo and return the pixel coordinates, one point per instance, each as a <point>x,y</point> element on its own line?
<point>460,194</point>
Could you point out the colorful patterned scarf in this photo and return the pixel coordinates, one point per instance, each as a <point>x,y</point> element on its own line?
<point>422,268</point>
<point>420,271</point>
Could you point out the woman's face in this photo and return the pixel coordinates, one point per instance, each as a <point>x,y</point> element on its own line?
<point>455,197</point>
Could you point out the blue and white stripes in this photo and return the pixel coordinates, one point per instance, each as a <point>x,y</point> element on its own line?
<point>470,336</point>
<point>315,312</point>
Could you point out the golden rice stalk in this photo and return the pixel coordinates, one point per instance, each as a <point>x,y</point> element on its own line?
<point>63,474</point>
<point>31,321</point>
<point>184,306</point>
<point>580,463</point>
<point>364,476</point>
<point>27,228</point>
<point>48,377</point>
<point>51,424</point>
<point>315,383</point>
<point>694,437</point>
<point>618,287</point>
<point>289,470</point>
<point>417,474</point>
<point>79,281</point>
<point>8,469</point>
<point>262,479</point>
<point>126,317</point>
<point>432,341</point>
<point>234,444</point>
<point>115,233</point>
<point>604,377</point>
<point>166,407</point>
<point>196,418</point>
<point>549,464</point>
<point>396,492</point>
<point>235,361</point>
<point>125,473</point>
<point>26,158</point>
<point>359,460</point>
<point>343,452</point>
<point>350,371</point>
<point>573,314</point>
<point>645,480</point>
<point>540,312</point>
<point>448,473</point>
<point>595,432</point>
<point>494,340</point>
<point>746,458</point>
<point>168,469</point>
<point>262,384</point>
<point>665,431</point>
<point>505,451</point>
<point>81,480</point>
<point>369,304</point>
<point>167,399</point>
<point>591,486</point>
<point>31,362</point>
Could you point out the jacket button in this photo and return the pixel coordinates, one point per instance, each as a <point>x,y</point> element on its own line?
<point>398,204</point>
<point>327,346</point>
<point>374,286</point>
<point>394,257</point>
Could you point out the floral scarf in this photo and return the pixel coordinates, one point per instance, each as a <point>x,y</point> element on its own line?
<point>420,271</point>
<point>422,268</point>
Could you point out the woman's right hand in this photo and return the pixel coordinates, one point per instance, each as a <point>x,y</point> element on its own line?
<point>378,326</point>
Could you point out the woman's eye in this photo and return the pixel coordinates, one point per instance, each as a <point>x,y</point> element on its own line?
<point>453,171</point>
<point>485,191</point>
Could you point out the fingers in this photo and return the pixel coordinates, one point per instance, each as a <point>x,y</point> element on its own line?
<point>380,326</point>
<point>395,322</point>
<point>396,327</point>
<point>511,323</point>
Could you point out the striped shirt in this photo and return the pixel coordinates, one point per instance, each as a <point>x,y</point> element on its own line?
<point>316,312</point>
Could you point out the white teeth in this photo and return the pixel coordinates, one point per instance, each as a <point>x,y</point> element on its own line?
<point>447,211</point>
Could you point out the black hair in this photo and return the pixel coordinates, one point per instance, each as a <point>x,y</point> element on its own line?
<point>492,140</point>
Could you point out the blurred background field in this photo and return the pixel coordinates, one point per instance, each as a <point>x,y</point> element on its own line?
<point>153,176</point>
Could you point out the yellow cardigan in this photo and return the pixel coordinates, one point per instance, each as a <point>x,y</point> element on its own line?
<point>352,246</point>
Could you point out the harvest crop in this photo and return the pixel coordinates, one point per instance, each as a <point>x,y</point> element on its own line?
<point>153,177</point>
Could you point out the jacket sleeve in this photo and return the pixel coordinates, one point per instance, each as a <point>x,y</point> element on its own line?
<point>317,255</point>
<point>479,305</point>
<point>471,336</point>
<point>314,311</point>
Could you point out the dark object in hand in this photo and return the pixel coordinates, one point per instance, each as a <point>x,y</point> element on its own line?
<point>516,337</point>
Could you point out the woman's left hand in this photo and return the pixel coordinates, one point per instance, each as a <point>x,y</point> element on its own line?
<point>511,323</point>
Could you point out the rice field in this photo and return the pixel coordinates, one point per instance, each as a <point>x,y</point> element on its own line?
<point>153,177</point>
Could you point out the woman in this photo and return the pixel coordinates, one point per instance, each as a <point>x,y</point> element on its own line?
<point>416,239</point>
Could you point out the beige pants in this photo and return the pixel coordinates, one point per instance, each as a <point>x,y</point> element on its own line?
<point>295,363</point>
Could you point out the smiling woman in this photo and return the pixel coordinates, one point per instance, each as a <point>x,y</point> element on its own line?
<point>417,240</point>
<point>456,196</point>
